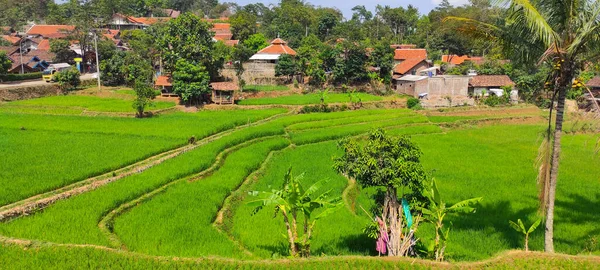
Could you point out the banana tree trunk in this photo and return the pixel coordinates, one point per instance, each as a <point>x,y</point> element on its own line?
<point>292,240</point>
<point>566,78</point>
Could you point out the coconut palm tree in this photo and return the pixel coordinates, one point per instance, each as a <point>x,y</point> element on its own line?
<point>565,33</point>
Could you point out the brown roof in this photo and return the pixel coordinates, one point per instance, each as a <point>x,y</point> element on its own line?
<point>491,81</point>
<point>148,20</point>
<point>224,86</point>
<point>42,55</point>
<point>163,80</point>
<point>403,54</point>
<point>278,46</point>
<point>50,31</point>
<point>406,65</point>
<point>594,82</point>
<point>9,49</point>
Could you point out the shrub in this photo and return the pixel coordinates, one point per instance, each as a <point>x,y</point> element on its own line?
<point>493,101</point>
<point>68,79</point>
<point>413,103</point>
<point>20,77</point>
<point>324,108</point>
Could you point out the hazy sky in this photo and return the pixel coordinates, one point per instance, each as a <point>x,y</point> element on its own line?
<point>346,6</point>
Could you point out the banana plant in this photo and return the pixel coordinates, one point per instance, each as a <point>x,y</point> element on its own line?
<point>519,227</point>
<point>437,211</point>
<point>293,199</point>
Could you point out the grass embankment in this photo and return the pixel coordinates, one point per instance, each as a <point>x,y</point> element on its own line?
<point>265,88</point>
<point>89,103</point>
<point>307,99</point>
<point>42,152</point>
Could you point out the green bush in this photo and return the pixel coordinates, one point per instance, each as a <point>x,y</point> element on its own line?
<point>324,108</point>
<point>413,103</point>
<point>493,101</point>
<point>20,77</point>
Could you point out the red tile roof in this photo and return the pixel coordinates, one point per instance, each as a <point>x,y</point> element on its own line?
<point>278,46</point>
<point>403,54</point>
<point>163,80</point>
<point>594,82</point>
<point>44,45</point>
<point>223,37</point>
<point>50,31</point>
<point>454,59</point>
<point>490,81</point>
<point>224,86</point>
<point>232,42</point>
<point>12,39</point>
<point>148,20</point>
<point>9,49</point>
<point>406,65</point>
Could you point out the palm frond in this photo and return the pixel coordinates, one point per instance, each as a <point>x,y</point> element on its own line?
<point>588,31</point>
<point>524,10</point>
<point>475,28</point>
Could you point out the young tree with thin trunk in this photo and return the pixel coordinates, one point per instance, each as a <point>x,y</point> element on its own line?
<point>565,34</point>
<point>391,163</point>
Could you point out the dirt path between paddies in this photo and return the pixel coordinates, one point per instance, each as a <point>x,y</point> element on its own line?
<point>40,201</point>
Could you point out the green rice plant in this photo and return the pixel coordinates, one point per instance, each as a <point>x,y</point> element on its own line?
<point>26,109</point>
<point>36,161</point>
<point>179,126</point>
<point>385,114</point>
<point>306,99</point>
<point>323,134</point>
<point>90,103</point>
<point>190,232</point>
<point>265,88</point>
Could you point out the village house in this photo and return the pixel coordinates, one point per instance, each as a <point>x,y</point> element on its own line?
<point>436,91</point>
<point>49,31</point>
<point>594,86</point>
<point>408,60</point>
<point>271,53</point>
<point>224,92</point>
<point>491,84</point>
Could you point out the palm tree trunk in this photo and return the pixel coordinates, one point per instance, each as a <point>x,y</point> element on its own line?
<point>560,110</point>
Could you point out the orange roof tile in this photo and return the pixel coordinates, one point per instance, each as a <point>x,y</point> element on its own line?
<point>12,39</point>
<point>278,46</point>
<point>221,26</point>
<point>404,54</point>
<point>232,42</point>
<point>223,37</point>
<point>44,45</point>
<point>163,80</point>
<point>50,31</point>
<point>406,65</point>
<point>454,59</point>
<point>148,20</point>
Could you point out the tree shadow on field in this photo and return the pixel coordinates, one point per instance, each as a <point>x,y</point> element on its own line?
<point>280,249</point>
<point>577,209</point>
<point>356,244</point>
<point>494,217</point>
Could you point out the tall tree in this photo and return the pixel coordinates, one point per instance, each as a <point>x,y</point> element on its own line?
<point>243,25</point>
<point>5,62</point>
<point>569,32</point>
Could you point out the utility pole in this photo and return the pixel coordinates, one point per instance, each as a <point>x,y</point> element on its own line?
<point>21,53</point>
<point>97,60</point>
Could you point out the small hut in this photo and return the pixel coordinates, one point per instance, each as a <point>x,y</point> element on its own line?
<point>223,92</point>
<point>165,84</point>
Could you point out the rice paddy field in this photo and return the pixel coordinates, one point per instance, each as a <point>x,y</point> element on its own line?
<point>307,99</point>
<point>184,203</point>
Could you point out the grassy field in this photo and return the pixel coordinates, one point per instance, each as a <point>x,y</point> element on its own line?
<point>88,103</point>
<point>171,209</point>
<point>307,99</point>
<point>266,88</point>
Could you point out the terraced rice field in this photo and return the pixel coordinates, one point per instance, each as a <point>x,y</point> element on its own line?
<point>193,204</point>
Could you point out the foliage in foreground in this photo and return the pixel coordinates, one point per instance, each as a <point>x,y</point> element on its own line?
<point>393,164</point>
<point>293,199</point>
